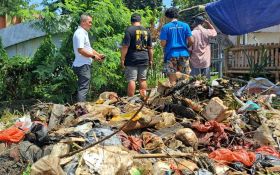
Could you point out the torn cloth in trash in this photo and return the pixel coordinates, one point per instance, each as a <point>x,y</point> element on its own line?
<point>218,130</point>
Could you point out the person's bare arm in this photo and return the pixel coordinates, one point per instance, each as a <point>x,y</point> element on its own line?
<point>123,54</point>
<point>209,25</point>
<point>85,52</point>
<point>211,30</point>
<point>97,55</point>
<point>151,55</point>
<point>190,41</point>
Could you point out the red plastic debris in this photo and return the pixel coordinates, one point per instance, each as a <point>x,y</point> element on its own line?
<point>11,135</point>
<point>227,156</point>
<point>267,150</point>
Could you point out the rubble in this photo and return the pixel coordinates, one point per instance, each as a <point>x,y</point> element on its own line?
<point>194,127</point>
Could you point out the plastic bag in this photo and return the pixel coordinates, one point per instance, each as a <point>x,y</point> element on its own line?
<point>106,160</point>
<point>127,116</point>
<point>228,156</point>
<point>24,123</point>
<point>249,106</point>
<point>48,165</point>
<point>267,150</point>
<point>38,133</point>
<point>12,134</point>
<point>98,133</point>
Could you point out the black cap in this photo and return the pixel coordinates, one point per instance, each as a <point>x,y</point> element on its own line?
<point>199,20</point>
<point>135,17</point>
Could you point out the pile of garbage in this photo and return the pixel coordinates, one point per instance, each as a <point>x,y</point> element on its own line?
<point>195,127</point>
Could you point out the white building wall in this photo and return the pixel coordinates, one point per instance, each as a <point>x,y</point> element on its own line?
<point>263,36</point>
<point>28,48</point>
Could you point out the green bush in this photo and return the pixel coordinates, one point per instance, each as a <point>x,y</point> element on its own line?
<point>155,72</point>
<point>16,78</point>
<point>53,78</point>
<point>48,76</point>
<point>3,58</point>
<point>108,75</point>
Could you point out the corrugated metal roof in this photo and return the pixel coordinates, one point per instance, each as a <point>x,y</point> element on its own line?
<point>19,33</point>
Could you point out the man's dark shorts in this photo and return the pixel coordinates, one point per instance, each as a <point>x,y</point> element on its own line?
<point>133,73</point>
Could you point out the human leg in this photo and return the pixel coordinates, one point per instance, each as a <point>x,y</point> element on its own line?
<point>131,88</point>
<point>195,72</point>
<point>84,74</point>
<point>142,77</point>
<point>206,72</point>
<point>183,65</point>
<point>131,76</point>
<point>170,69</point>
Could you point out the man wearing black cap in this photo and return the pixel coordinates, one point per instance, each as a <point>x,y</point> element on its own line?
<point>201,50</point>
<point>136,55</point>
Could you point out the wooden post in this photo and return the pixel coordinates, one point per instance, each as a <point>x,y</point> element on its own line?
<point>226,62</point>
<point>277,61</point>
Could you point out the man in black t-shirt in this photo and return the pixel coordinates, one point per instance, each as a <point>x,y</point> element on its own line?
<point>136,55</point>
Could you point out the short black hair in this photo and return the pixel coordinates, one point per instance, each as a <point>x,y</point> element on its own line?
<point>172,12</point>
<point>199,20</point>
<point>135,17</point>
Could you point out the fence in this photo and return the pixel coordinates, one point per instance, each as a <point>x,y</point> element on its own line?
<point>237,59</point>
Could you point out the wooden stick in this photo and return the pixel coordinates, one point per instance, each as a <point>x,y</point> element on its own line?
<point>144,156</point>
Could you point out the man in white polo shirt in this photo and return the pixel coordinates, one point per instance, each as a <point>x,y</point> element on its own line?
<point>83,56</point>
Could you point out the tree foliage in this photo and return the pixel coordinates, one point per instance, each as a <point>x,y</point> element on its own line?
<point>142,4</point>
<point>189,15</point>
<point>189,3</point>
<point>19,8</point>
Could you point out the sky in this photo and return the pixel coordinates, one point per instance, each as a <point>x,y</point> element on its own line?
<point>167,3</point>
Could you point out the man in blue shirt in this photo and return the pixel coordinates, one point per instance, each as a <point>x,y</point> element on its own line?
<point>176,37</point>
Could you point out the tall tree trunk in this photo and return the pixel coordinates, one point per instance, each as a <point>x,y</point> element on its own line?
<point>16,20</point>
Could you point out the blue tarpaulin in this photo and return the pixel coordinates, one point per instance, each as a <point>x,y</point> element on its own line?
<point>237,17</point>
